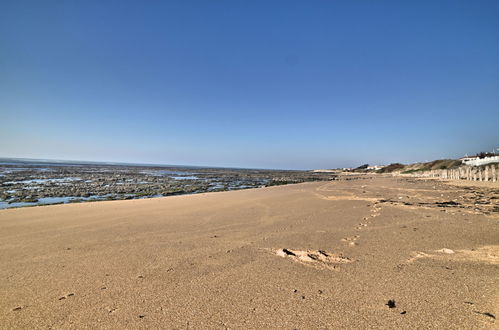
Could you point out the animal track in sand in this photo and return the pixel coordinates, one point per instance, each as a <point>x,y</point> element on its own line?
<point>314,258</point>
<point>488,254</point>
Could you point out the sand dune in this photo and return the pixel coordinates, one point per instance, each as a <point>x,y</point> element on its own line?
<point>307,256</point>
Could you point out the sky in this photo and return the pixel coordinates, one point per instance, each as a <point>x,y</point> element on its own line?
<point>255,84</point>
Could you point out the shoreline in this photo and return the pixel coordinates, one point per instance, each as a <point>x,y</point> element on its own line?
<point>22,186</point>
<point>152,197</point>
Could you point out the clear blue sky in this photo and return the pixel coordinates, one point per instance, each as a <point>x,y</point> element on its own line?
<point>271,84</point>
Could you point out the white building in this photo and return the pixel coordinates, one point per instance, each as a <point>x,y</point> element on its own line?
<point>477,161</point>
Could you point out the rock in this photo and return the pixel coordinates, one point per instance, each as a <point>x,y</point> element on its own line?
<point>446,251</point>
<point>391,303</point>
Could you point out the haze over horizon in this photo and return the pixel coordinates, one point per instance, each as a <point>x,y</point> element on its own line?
<point>284,84</point>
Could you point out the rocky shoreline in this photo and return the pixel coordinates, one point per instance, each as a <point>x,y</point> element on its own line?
<point>27,184</point>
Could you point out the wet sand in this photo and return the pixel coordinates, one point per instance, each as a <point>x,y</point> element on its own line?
<point>305,256</point>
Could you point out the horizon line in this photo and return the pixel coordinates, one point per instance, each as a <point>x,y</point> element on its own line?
<point>97,162</point>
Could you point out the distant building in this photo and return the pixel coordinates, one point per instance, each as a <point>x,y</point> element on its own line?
<point>325,171</point>
<point>478,160</point>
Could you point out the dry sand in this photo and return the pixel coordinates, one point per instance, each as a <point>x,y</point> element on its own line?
<point>307,256</point>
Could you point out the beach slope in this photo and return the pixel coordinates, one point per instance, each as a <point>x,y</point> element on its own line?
<point>373,252</point>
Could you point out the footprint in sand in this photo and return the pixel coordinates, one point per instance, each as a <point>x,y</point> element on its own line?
<point>351,240</point>
<point>361,225</point>
<point>314,258</point>
<point>375,212</point>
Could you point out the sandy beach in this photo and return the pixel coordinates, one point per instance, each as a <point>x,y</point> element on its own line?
<point>323,255</point>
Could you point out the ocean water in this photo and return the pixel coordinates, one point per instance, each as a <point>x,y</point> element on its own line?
<point>187,177</point>
<point>166,173</point>
<point>41,201</point>
<point>58,180</point>
<point>54,200</point>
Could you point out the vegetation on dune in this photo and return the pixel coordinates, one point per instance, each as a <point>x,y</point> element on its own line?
<point>441,164</point>
<point>391,168</point>
<point>361,168</point>
<point>413,171</point>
